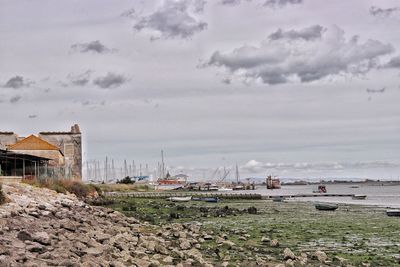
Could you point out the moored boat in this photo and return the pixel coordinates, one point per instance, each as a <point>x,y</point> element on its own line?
<point>211,199</point>
<point>224,189</point>
<point>278,199</point>
<point>321,189</point>
<point>180,199</point>
<point>326,206</point>
<point>238,187</point>
<point>273,183</point>
<point>359,197</point>
<point>393,213</point>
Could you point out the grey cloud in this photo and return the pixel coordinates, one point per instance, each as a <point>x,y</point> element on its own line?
<point>309,33</point>
<point>281,3</point>
<point>33,116</point>
<point>17,82</point>
<point>80,79</point>
<point>371,91</point>
<point>382,12</point>
<point>226,81</point>
<point>174,19</point>
<point>94,47</point>
<point>111,80</point>
<point>278,61</point>
<point>130,13</point>
<point>15,99</point>
<point>393,63</point>
<point>230,2</point>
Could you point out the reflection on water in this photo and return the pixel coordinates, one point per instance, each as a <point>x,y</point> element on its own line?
<point>386,196</point>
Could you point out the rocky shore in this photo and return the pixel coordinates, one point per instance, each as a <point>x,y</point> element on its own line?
<point>39,227</point>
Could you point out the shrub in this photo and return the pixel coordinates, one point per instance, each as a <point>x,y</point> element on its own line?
<point>126,180</point>
<point>2,196</point>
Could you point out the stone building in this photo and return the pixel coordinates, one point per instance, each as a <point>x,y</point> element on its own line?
<point>63,149</point>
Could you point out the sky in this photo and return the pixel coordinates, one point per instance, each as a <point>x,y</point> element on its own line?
<point>293,88</point>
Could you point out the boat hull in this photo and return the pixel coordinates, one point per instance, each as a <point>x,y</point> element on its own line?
<point>393,213</point>
<point>359,197</point>
<point>180,199</point>
<point>327,207</point>
<point>211,199</point>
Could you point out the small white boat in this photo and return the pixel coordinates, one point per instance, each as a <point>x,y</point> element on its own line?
<point>359,197</point>
<point>224,189</point>
<point>394,213</point>
<point>180,199</point>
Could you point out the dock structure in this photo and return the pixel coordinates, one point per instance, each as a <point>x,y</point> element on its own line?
<point>219,195</point>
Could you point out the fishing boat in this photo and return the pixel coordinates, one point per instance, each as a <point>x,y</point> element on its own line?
<point>238,187</point>
<point>321,189</point>
<point>180,199</point>
<point>211,199</point>
<point>326,206</point>
<point>168,181</point>
<point>273,183</point>
<point>393,213</point>
<point>359,197</point>
<point>211,187</point>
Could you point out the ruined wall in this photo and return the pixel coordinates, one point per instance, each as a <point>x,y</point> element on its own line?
<point>7,138</point>
<point>70,144</point>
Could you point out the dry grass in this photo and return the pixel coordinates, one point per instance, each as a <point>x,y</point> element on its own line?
<point>78,188</point>
<point>2,196</point>
<point>124,187</point>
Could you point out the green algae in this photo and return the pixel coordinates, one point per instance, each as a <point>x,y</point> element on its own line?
<point>360,234</point>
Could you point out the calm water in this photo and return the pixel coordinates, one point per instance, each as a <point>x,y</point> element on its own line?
<point>385,196</point>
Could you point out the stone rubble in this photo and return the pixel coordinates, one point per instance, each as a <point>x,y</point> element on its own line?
<point>39,227</point>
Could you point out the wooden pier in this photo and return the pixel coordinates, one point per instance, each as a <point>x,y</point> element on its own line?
<point>216,194</point>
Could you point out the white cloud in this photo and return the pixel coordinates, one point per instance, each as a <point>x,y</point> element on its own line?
<point>174,19</point>
<point>297,55</point>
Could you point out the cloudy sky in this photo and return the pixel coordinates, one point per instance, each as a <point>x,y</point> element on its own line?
<point>297,88</point>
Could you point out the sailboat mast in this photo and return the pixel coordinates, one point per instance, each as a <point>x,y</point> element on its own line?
<point>237,174</point>
<point>162,165</point>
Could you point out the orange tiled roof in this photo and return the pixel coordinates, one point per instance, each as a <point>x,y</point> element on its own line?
<point>32,143</point>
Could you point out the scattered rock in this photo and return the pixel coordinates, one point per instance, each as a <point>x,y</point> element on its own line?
<point>185,244</point>
<point>41,237</point>
<point>265,239</point>
<point>288,254</point>
<point>320,256</point>
<point>274,243</point>
<point>23,235</point>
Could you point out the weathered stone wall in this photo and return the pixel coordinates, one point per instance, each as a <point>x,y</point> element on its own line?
<point>7,138</point>
<point>70,144</point>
